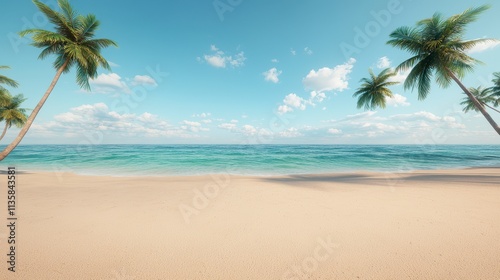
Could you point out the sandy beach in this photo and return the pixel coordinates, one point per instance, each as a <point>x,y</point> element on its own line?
<point>419,225</point>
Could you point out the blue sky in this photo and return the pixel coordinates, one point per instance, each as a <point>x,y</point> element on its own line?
<point>239,71</point>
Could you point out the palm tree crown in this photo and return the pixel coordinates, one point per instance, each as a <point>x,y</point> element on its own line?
<point>6,80</point>
<point>437,48</point>
<point>485,96</point>
<point>12,113</point>
<point>72,42</point>
<point>4,93</point>
<point>374,91</point>
<point>496,88</point>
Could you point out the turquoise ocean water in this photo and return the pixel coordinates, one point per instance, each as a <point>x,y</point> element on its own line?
<point>130,160</point>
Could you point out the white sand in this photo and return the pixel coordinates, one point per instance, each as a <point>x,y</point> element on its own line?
<point>422,225</point>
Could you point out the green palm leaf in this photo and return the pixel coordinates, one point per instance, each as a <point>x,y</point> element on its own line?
<point>12,113</point>
<point>485,96</point>
<point>7,81</point>
<point>374,91</point>
<point>439,51</point>
<point>437,47</point>
<point>72,42</point>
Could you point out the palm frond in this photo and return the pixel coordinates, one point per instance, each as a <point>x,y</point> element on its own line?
<point>72,42</point>
<point>6,80</point>
<point>406,38</point>
<point>374,91</point>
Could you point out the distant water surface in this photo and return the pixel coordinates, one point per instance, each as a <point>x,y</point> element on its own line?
<point>130,160</point>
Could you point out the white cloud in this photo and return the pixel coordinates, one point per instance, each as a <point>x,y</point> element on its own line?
<point>329,79</point>
<point>290,133</point>
<point>272,75</point>
<point>193,126</point>
<point>216,61</point>
<point>362,115</point>
<point>294,101</point>
<point>416,125</point>
<point>112,64</point>
<point>112,83</point>
<point>397,100</point>
<point>316,97</point>
<point>109,83</point>
<point>249,130</point>
<point>383,62</point>
<point>308,51</point>
<point>484,46</point>
<point>282,109</point>
<point>228,126</point>
<point>190,123</point>
<point>147,118</point>
<point>238,60</point>
<point>400,77</point>
<point>334,131</point>
<point>219,59</point>
<point>416,116</point>
<point>144,80</point>
<point>84,120</point>
<point>202,115</point>
<point>274,60</point>
<point>293,52</point>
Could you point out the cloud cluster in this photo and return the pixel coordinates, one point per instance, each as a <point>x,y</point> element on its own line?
<point>90,118</point>
<point>112,83</point>
<point>292,102</point>
<point>329,79</point>
<point>397,101</point>
<point>414,125</point>
<point>383,62</point>
<point>219,59</point>
<point>272,75</point>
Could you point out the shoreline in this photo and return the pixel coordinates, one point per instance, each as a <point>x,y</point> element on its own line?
<point>419,225</point>
<point>239,175</point>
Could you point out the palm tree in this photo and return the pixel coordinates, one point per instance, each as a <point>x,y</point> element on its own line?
<point>374,91</point>
<point>12,114</point>
<point>73,44</point>
<point>437,47</point>
<point>7,81</point>
<point>483,95</point>
<point>496,89</point>
<point>4,93</point>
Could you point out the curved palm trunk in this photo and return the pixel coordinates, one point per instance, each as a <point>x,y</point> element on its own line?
<point>4,130</point>
<point>32,117</point>
<point>474,100</point>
